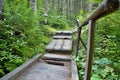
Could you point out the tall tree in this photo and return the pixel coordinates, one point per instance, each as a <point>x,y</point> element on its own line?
<point>77,6</point>
<point>64,8</point>
<point>56,4</point>
<point>68,12</point>
<point>46,6</point>
<point>33,4</point>
<point>1,9</point>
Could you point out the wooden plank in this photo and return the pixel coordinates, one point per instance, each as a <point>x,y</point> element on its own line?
<point>59,57</point>
<point>58,45</point>
<point>67,45</point>
<point>74,71</point>
<point>14,74</point>
<point>46,71</point>
<point>64,32</point>
<point>67,32</point>
<point>51,45</point>
<point>62,37</point>
<point>58,33</point>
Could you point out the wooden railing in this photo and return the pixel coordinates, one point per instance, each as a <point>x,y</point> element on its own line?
<point>105,8</point>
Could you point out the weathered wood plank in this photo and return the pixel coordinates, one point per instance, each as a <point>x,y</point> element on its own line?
<point>51,45</point>
<point>62,37</point>
<point>59,57</point>
<point>74,71</point>
<point>67,32</point>
<point>64,33</point>
<point>58,45</point>
<point>45,71</point>
<point>67,45</point>
<point>58,33</point>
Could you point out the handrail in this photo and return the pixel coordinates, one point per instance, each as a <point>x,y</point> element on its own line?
<point>107,7</point>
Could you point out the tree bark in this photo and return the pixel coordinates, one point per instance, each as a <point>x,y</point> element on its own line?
<point>56,5</point>
<point>64,8</point>
<point>72,7</point>
<point>53,5</point>
<point>1,9</point>
<point>68,12</point>
<point>46,6</point>
<point>33,4</point>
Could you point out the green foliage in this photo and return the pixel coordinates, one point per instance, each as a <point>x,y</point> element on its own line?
<point>82,15</point>
<point>23,33</point>
<point>108,37</point>
<point>103,69</point>
<point>20,36</point>
<point>57,21</point>
<point>106,63</point>
<point>96,1</point>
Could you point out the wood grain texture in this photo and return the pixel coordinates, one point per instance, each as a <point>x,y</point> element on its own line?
<point>59,57</point>
<point>51,45</point>
<point>64,32</point>
<point>74,71</point>
<point>59,45</point>
<point>67,46</point>
<point>62,37</point>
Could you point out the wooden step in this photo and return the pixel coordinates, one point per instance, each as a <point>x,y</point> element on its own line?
<point>64,33</point>
<point>45,69</point>
<point>59,57</point>
<point>62,37</point>
<point>59,45</point>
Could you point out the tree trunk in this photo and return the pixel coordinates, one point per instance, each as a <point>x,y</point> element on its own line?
<point>64,8</point>
<point>70,7</point>
<point>1,9</point>
<point>59,7</point>
<point>77,6</point>
<point>68,12</point>
<point>53,5</point>
<point>81,4</point>
<point>73,8</point>
<point>33,4</point>
<point>56,5</point>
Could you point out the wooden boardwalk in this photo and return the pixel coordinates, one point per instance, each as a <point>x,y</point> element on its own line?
<point>56,64</point>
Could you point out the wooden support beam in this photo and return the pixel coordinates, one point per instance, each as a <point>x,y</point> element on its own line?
<point>78,41</point>
<point>83,43</point>
<point>78,38</point>
<point>90,50</point>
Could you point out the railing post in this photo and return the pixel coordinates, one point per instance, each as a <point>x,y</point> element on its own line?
<point>78,41</point>
<point>90,49</point>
